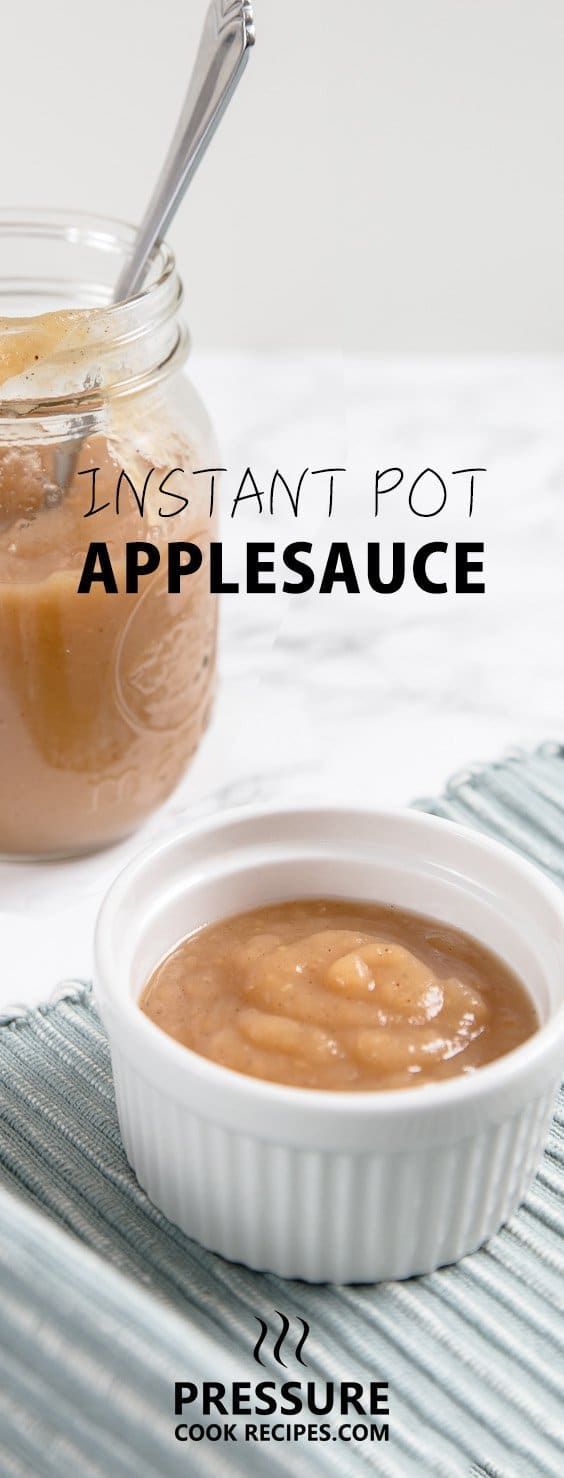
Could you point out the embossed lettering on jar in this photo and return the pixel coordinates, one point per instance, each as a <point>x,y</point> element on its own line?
<point>104,698</point>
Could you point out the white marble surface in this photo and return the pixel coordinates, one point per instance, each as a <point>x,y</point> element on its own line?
<point>373,698</point>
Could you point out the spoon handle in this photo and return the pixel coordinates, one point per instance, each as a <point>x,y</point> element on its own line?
<point>227,35</point>
<point>222,56</point>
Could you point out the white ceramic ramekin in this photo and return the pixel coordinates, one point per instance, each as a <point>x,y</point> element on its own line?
<point>342,1186</point>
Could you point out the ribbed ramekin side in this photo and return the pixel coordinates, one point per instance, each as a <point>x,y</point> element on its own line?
<point>322,1215</point>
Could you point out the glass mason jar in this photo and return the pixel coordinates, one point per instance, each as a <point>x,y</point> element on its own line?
<point>103,696</point>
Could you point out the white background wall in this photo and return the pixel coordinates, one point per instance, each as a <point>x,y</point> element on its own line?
<point>388,177</point>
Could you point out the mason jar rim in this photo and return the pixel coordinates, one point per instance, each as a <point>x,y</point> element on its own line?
<point>145,322</point>
<point>87,228</point>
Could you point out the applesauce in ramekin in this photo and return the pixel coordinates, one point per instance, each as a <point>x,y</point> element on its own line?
<point>334,994</point>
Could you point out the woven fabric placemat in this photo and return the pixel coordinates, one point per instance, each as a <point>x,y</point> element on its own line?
<point>103,1303</point>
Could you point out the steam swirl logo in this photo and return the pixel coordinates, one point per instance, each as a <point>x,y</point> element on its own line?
<point>277,1347</point>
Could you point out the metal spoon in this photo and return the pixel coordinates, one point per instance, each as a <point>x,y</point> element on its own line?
<point>227,35</point>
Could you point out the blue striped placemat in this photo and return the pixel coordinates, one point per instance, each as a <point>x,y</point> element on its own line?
<point>103,1303</point>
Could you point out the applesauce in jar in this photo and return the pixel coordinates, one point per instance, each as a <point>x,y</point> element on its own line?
<point>103,696</point>
<point>341,995</point>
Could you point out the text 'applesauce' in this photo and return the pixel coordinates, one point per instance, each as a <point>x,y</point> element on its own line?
<point>332,994</point>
